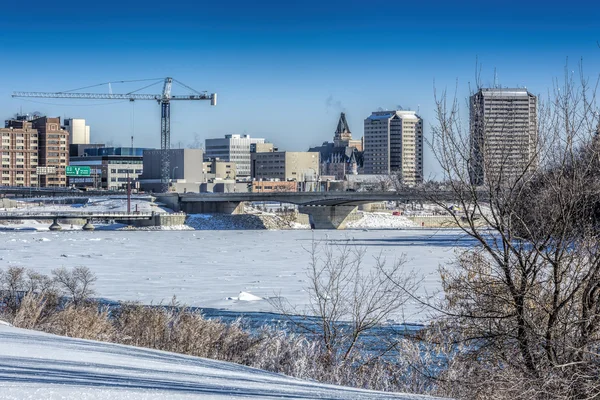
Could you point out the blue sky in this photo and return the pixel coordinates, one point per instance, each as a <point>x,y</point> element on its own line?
<point>282,70</point>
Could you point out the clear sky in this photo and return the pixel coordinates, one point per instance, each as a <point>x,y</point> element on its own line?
<point>283,70</point>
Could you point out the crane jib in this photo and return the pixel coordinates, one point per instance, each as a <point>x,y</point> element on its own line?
<point>164,99</point>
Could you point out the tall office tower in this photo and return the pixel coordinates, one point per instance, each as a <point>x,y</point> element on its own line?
<point>393,143</point>
<point>234,148</point>
<point>53,151</point>
<point>79,132</point>
<point>503,138</point>
<point>18,154</point>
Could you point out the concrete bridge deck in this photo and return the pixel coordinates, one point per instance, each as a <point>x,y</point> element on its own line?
<point>55,192</point>
<point>41,215</point>
<point>306,198</point>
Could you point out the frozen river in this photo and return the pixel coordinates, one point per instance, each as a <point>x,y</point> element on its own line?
<point>211,268</point>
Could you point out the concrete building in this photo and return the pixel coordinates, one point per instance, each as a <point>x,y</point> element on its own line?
<point>186,171</point>
<point>111,167</point>
<point>18,154</point>
<point>218,170</point>
<point>234,148</point>
<point>262,148</point>
<point>79,132</point>
<point>393,142</point>
<point>53,151</point>
<point>503,124</point>
<point>285,165</point>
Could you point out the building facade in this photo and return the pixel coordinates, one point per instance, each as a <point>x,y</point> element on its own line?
<point>343,156</point>
<point>503,127</point>
<point>53,151</point>
<point>79,132</point>
<point>111,167</point>
<point>234,148</point>
<point>186,170</point>
<point>18,154</point>
<point>285,165</point>
<point>393,143</point>
<point>216,169</point>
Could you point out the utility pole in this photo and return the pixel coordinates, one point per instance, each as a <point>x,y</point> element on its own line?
<point>128,193</point>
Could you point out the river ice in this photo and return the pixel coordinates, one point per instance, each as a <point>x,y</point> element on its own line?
<point>211,268</point>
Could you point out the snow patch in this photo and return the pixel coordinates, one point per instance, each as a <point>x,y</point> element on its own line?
<point>245,296</point>
<point>380,220</point>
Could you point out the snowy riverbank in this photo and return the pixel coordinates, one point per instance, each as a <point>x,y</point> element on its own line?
<point>37,365</point>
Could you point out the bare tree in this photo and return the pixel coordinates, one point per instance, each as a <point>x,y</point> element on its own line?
<point>347,301</point>
<point>77,283</point>
<point>524,304</point>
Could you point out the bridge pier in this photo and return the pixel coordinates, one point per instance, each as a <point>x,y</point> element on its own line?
<point>88,225</point>
<point>328,217</point>
<point>213,207</point>
<point>55,225</point>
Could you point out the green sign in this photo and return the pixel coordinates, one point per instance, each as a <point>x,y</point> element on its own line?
<point>78,171</point>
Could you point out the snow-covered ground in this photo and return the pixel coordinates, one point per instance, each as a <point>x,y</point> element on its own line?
<point>380,220</point>
<point>35,365</point>
<point>210,268</point>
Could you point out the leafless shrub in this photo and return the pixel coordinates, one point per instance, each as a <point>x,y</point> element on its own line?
<point>85,321</point>
<point>29,312</point>
<point>183,331</point>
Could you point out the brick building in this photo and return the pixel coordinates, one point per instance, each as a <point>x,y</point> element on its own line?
<point>18,154</point>
<point>53,150</point>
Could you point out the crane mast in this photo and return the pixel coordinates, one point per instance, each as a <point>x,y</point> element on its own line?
<point>164,99</point>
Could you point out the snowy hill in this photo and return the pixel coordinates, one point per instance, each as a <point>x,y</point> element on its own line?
<point>35,365</point>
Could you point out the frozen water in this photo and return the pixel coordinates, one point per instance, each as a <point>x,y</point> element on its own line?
<point>204,268</point>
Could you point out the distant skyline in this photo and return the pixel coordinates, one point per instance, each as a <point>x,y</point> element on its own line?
<point>282,70</point>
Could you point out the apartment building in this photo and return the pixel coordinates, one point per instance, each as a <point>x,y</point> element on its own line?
<point>285,165</point>
<point>393,142</point>
<point>18,154</point>
<point>234,148</point>
<point>53,151</point>
<point>503,127</point>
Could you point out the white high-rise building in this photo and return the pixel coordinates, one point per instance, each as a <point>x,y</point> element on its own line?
<point>393,142</point>
<point>503,135</point>
<point>233,148</point>
<point>79,132</point>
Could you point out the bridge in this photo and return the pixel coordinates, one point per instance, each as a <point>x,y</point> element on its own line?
<point>55,216</point>
<point>327,210</point>
<point>55,192</point>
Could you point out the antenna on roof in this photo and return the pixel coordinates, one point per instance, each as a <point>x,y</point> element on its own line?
<point>495,79</point>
